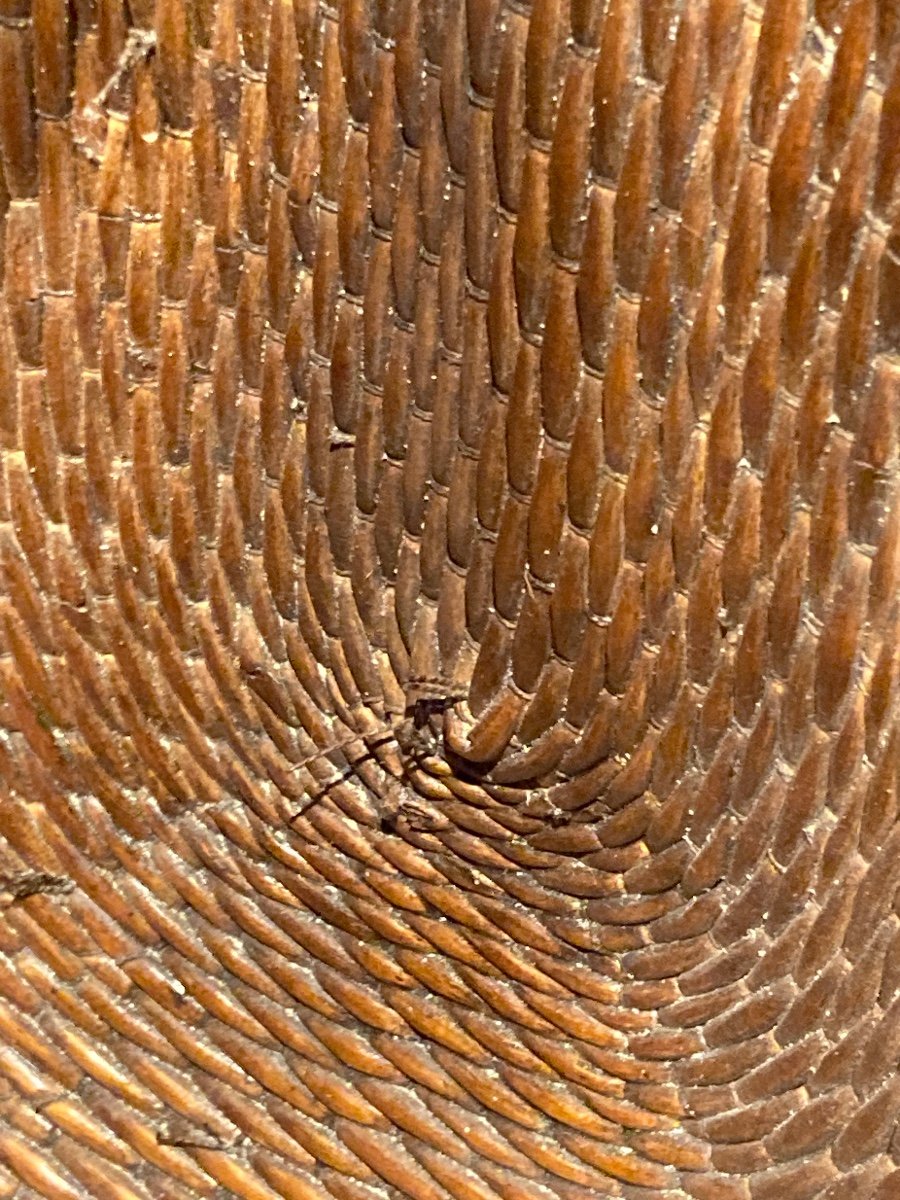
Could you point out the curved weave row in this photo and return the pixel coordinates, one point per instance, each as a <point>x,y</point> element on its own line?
<point>450,557</point>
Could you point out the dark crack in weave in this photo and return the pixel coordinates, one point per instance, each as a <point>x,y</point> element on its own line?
<point>450,544</point>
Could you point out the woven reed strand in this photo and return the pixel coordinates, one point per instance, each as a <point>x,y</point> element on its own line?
<point>449,572</point>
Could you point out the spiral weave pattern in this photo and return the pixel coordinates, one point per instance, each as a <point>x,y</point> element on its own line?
<point>449,574</point>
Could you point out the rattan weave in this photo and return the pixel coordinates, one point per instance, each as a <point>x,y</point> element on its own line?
<point>449,573</point>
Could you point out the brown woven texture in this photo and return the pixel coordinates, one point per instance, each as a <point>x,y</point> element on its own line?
<point>449,573</point>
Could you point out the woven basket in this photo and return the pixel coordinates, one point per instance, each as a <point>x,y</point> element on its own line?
<point>449,575</point>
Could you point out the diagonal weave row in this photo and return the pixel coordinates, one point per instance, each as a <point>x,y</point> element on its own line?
<point>449,574</point>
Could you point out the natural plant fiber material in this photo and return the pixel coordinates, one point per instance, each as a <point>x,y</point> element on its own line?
<point>449,572</point>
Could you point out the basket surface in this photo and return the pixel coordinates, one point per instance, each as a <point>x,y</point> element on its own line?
<point>449,559</point>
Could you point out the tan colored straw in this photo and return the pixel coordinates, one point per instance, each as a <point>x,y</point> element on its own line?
<point>449,576</point>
